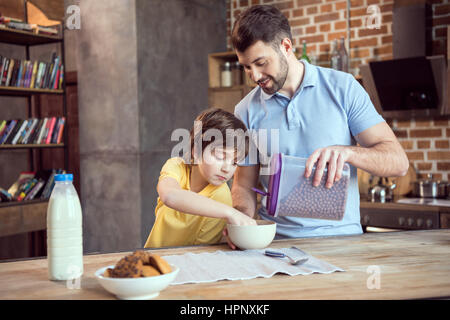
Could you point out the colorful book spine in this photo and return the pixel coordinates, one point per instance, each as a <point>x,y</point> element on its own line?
<point>30,131</point>
<point>10,128</point>
<point>2,69</point>
<point>50,130</point>
<point>33,75</point>
<point>2,127</point>
<point>35,190</point>
<point>14,132</point>
<point>19,75</point>
<point>19,132</point>
<point>41,133</point>
<point>10,70</point>
<point>61,129</point>
<point>5,72</point>
<point>24,131</point>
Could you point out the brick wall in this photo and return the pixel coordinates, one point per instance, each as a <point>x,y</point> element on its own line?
<point>427,144</point>
<point>319,22</point>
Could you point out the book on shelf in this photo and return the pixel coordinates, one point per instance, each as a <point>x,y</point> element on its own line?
<point>8,131</point>
<point>33,137</point>
<point>51,126</point>
<point>2,126</point>
<point>21,131</point>
<point>50,183</point>
<point>32,74</point>
<point>32,194</point>
<point>30,130</point>
<point>48,130</point>
<point>14,132</point>
<point>5,196</point>
<point>26,188</point>
<point>31,185</point>
<point>24,177</point>
<point>13,23</point>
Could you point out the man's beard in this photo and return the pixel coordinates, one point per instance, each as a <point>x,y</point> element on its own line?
<point>280,78</point>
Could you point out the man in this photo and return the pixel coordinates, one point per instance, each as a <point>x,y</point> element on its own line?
<point>320,113</point>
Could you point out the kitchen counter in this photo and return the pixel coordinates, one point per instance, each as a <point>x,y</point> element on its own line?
<point>411,264</point>
<point>403,206</point>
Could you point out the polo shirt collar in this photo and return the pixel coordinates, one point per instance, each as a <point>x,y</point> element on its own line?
<point>309,80</point>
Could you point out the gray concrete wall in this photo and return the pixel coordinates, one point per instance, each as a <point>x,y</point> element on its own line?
<point>109,131</point>
<point>174,38</point>
<point>143,72</point>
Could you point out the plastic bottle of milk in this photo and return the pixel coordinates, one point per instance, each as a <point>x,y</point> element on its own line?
<point>64,231</point>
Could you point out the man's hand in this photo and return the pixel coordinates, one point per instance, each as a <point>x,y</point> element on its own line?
<point>333,156</point>
<point>378,147</point>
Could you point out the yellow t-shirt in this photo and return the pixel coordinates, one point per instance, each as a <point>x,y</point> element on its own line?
<point>175,228</point>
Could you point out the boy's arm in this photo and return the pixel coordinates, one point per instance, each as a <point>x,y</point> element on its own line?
<point>173,196</point>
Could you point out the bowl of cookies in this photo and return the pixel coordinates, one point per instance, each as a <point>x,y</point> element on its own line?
<point>137,276</point>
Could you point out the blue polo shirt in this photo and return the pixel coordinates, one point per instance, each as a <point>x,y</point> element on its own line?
<point>329,108</point>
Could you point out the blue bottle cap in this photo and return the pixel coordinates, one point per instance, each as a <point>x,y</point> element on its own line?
<point>64,177</point>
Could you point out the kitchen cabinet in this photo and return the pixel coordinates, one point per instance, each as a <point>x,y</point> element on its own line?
<point>445,220</point>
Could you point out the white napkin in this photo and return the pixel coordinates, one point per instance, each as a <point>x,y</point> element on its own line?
<point>242,265</point>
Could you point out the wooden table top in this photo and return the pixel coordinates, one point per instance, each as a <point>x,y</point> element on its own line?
<point>411,264</point>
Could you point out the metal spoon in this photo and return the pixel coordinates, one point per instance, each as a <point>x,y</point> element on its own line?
<point>277,254</point>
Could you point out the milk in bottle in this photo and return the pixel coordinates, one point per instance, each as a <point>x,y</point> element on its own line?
<point>64,231</point>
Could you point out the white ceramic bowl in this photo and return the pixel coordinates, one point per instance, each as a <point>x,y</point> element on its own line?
<point>136,288</point>
<point>252,237</point>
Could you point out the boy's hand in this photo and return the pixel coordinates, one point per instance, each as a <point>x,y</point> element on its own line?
<point>237,218</point>
<point>240,219</point>
<point>230,244</point>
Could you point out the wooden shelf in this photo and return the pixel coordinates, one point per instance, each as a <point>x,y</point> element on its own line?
<point>30,146</point>
<point>225,97</point>
<point>20,37</point>
<point>21,203</point>
<point>22,216</point>
<point>229,88</point>
<point>19,91</point>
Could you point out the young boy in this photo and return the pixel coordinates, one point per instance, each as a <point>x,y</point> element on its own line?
<point>194,203</point>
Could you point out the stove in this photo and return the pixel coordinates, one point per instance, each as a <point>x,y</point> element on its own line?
<point>404,213</point>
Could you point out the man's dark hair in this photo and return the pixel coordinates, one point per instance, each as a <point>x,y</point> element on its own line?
<point>261,22</point>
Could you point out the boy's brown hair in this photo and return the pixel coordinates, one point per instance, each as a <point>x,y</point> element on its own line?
<point>215,125</point>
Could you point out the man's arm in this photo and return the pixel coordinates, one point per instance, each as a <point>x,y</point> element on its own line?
<point>380,154</point>
<point>244,198</point>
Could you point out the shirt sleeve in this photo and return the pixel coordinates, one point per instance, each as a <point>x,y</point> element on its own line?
<point>252,158</point>
<point>361,112</point>
<point>173,168</point>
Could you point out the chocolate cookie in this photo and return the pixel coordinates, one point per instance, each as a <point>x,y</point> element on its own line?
<point>129,266</point>
<point>143,255</point>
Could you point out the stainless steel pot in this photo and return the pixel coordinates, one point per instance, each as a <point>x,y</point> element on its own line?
<point>443,189</point>
<point>429,188</point>
<point>426,188</point>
